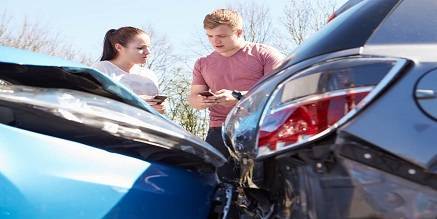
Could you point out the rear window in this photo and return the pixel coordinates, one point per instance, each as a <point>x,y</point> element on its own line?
<point>350,29</point>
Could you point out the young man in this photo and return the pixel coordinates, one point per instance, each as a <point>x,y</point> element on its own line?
<point>228,72</point>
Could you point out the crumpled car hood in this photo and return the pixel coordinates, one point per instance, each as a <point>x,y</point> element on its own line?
<point>81,94</point>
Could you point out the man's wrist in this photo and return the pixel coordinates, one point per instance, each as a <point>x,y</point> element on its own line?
<point>237,94</point>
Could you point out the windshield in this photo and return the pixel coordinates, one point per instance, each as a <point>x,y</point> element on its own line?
<point>350,29</point>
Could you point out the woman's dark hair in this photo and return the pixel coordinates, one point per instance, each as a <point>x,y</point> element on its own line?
<point>121,36</point>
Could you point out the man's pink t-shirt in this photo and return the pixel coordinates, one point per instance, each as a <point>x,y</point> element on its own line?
<point>238,72</point>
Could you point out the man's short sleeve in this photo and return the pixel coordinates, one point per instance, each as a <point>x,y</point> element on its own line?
<point>197,73</point>
<point>272,59</point>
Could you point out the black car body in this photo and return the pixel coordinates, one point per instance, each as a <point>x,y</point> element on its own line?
<point>347,127</point>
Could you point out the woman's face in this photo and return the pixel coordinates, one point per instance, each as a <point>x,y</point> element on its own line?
<point>137,50</point>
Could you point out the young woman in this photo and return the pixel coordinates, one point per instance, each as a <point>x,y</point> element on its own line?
<point>125,50</point>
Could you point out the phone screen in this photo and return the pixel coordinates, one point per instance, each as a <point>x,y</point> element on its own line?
<point>206,93</point>
<point>159,99</point>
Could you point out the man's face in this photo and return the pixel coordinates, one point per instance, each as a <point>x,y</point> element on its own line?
<point>223,39</point>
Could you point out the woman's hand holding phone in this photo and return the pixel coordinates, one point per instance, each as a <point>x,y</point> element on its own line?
<point>159,99</point>
<point>155,102</point>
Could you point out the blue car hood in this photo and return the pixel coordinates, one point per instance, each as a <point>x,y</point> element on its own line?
<point>29,75</point>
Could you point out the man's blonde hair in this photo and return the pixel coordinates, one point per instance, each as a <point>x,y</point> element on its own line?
<point>223,16</point>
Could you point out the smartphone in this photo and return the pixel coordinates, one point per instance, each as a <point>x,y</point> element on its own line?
<point>206,93</point>
<point>159,99</point>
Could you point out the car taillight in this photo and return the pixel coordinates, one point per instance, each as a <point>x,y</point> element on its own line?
<point>312,103</point>
<point>307,118</point>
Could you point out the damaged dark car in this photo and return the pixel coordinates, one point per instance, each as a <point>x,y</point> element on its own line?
<point>347,127</point>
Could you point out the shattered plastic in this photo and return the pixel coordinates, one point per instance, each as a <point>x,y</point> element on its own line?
<point>240,129</point>
<point>389,196</point>
<point>113,117</point>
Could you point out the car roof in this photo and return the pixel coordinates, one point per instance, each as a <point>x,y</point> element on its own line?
<point>410,31</point>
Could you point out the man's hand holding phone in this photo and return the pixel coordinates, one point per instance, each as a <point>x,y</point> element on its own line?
<point>225,97</point>
<point>208,98</point>
<point>206,93</point>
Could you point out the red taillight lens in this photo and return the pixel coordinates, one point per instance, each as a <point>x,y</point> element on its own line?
<point>307,117</point>
<point>315,101</point>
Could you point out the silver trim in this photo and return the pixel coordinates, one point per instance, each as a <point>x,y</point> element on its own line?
<point>422,94</point>
<point>228,192</point>
<point>366,100</point>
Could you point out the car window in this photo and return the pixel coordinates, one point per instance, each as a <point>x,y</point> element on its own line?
<point>350,29</point>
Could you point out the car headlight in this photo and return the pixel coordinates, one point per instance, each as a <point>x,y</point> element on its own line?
<point>281,114</point>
